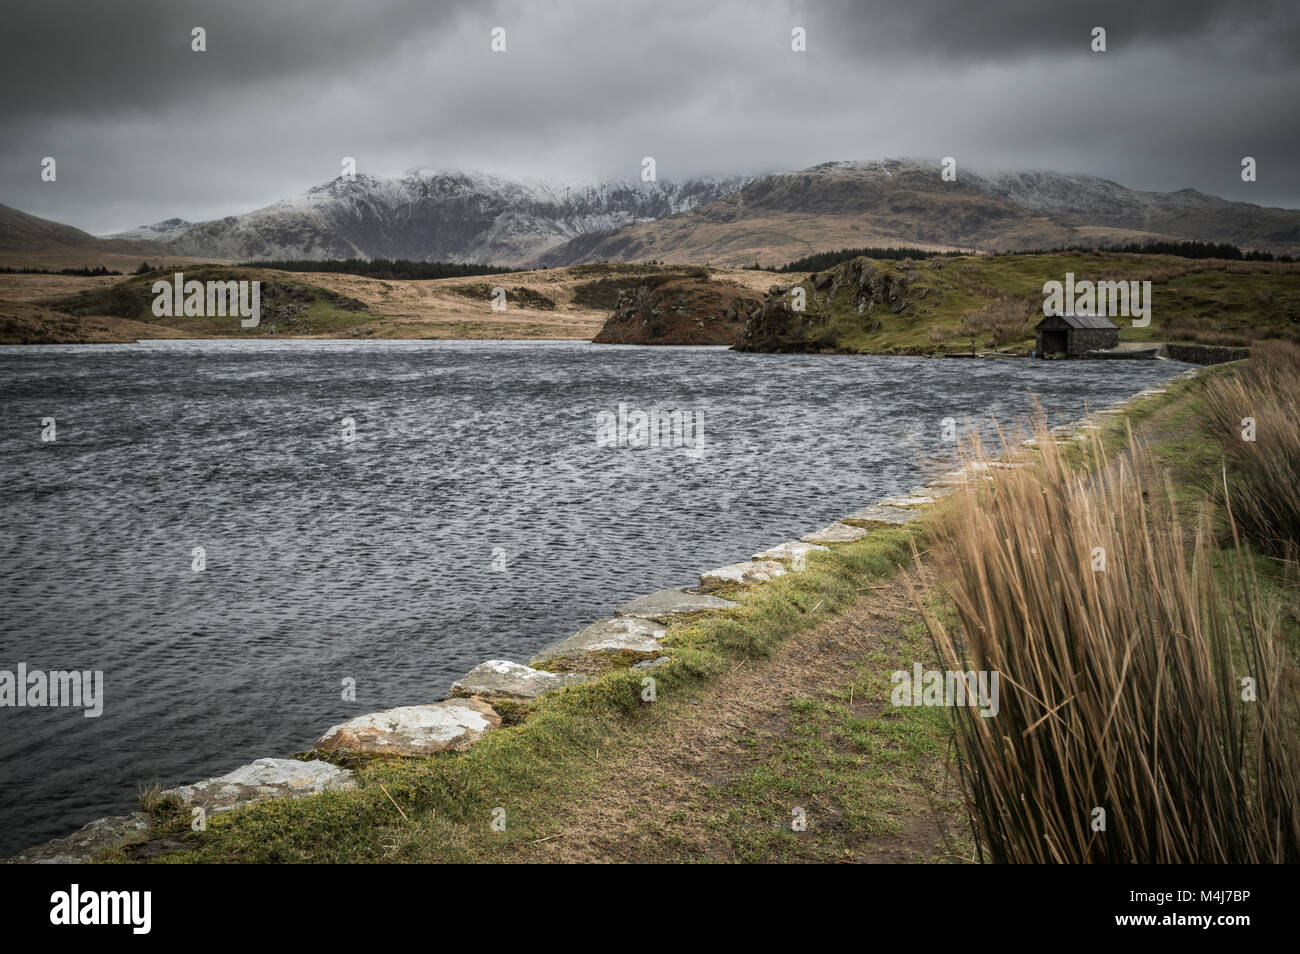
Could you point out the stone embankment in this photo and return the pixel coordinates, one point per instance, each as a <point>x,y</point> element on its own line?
<point>499,691</point>
<point>1204,354</point>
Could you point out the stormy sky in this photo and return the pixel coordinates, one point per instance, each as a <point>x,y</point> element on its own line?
<point>143,128</point>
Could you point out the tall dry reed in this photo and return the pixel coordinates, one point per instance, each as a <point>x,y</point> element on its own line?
<point>1122,732</point>
<point>1255,416</point>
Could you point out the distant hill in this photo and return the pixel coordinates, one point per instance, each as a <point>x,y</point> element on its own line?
<point>32,241</point>
<point>20,232</point>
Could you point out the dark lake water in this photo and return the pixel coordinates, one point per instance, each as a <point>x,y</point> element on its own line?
<point>374,559</point>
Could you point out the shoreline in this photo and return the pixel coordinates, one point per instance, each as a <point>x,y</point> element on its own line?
<point>1186,353</point>
<point>501,692</point>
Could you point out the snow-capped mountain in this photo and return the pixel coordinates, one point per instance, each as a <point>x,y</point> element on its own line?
<point>432,216</point>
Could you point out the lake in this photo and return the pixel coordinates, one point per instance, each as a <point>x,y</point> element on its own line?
<point>472,515</point>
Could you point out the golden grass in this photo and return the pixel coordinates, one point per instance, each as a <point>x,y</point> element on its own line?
<point>1123,685</point>
<point>1255,416</point>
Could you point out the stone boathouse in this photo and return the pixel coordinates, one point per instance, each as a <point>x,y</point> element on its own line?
<point>1072,336</point>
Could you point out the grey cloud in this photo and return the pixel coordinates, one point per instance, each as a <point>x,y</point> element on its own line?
<point>87,56</point>
<point>143,129</point>
<point>998,29</point>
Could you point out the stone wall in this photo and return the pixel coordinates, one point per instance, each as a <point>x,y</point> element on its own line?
<point>1205,354</point>
<point>1083,340</point>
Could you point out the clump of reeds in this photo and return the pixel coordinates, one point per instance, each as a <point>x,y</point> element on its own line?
<point>1124,731</point>
<point>1255,416</point>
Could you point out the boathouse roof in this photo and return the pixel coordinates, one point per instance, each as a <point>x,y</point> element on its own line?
<point>1098,322</point>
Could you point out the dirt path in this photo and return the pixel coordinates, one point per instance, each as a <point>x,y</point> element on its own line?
<point>696,784</point>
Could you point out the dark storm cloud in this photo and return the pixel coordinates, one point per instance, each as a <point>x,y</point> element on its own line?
<point>997,29</point>
<point>85,56</point>
<point>145,129</point>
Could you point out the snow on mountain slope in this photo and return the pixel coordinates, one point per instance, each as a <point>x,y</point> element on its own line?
<point>433,216</point>
<point>165,231</point>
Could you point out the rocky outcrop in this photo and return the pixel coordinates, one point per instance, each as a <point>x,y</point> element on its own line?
<point>846,299</point>
<point>452,725</point>
<point>688,311</point>
<point>265,778</point>
<point>776,327</point>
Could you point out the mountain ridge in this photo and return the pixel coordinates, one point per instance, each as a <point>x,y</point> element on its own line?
<point>481,217</point>
<point>451,216</point>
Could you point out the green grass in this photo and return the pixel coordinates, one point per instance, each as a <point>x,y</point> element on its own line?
<point>856,776</point>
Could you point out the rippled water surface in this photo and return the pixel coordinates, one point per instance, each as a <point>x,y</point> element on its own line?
<point>373,559</point>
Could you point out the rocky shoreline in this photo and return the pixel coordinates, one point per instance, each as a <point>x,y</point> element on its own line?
<point>498,692</point>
